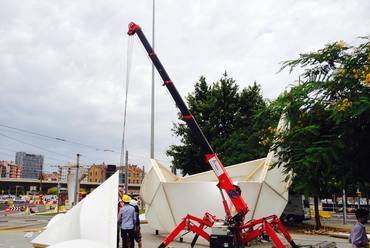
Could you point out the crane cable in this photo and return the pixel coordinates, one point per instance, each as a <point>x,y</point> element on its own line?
<point>128,74</point>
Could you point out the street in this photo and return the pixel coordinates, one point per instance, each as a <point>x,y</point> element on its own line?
<point>16,231</point>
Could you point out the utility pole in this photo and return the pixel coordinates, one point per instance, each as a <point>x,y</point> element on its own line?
<point>126,174</point>
<point>344,201</point>
<point>153,95</point>
<point>77,180</point>
<point>58,187</point>
<point>358,193</point>
<point>40,181</point>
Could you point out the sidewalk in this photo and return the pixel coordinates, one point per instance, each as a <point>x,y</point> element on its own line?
<point>336,225</point>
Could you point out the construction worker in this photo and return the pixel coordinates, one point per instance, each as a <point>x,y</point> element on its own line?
<point>127,216</point>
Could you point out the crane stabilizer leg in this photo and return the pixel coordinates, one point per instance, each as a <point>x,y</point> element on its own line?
<point>267,226</point>
<point>242,233</point>
<point>190,223</point>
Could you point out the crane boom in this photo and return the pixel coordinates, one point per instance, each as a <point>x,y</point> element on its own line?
<point>225,182</point>
<point>237,233</point>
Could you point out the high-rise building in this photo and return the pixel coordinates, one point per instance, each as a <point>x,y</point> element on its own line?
<point>31,163</point>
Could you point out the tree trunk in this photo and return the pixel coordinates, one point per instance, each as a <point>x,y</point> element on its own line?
<point>317,215</point>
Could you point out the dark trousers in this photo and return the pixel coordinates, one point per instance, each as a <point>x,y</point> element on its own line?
<point>118,236</point>
<point>128,235</point>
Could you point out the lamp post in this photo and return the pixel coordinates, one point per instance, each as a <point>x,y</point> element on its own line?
<point>77,180</point>
<point>58,187</point>
<point>16,190</point>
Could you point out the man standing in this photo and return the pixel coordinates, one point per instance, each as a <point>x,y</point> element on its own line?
<point>358,237</point>
<point>127,215</point>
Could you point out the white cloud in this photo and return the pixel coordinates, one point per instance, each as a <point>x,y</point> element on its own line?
<point>62,63</point>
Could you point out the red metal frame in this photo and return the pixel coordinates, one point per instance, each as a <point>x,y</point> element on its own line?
<point>244,232</point>
<point>193,224</point>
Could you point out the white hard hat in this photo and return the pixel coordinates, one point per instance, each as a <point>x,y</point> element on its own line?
<point>133,202</point>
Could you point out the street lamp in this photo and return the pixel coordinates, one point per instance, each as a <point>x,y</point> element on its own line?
<point>16,189</point>
<point>40,178</point>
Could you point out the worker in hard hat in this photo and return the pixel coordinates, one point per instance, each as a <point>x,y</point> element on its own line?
<point>127,216</point>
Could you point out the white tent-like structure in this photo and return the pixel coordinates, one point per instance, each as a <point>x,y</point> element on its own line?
<point>168,198</point>
<point>91,221</point>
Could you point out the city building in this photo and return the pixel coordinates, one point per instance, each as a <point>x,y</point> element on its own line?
<point>10,169</point>
<point>111,169</point>
<point>64,170</point>
<point>2,169</point>
<point>32,164</point>
<point>97,173</point>
<point>84,171</point>
<point>135,174</point>
<point>52,177</point>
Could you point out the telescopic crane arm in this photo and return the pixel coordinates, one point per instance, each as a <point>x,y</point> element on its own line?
<point>225,182</point>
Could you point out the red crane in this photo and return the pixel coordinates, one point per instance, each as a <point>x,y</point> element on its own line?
<point>232,231</point>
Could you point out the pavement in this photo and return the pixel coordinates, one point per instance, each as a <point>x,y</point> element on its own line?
<point>336,222</point>
<point>17,239</point>
<point>17,231</point>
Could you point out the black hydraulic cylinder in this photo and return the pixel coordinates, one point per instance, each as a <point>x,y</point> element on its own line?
<point>186,115</point>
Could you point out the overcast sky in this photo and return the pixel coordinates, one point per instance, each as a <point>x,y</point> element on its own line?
<point>63,65</point>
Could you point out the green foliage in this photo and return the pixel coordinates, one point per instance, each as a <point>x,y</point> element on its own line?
<point>227,116</point>
<point>327,144</point>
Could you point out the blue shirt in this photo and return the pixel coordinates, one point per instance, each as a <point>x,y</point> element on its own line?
<point>127,215</point>
<point>358,237</point>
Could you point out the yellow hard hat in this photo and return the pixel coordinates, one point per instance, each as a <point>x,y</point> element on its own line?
<point>126,198</point>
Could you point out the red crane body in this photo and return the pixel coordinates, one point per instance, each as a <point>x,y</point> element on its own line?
<point>242,232</point>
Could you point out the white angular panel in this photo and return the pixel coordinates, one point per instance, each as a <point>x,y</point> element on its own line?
<point>250,191</point>
<point>80,243</point>
<point>150,185</point>
<point>162,211</point>
<point>269,203</point>
<point>98,217</point>
<point>197,194</point>
<point>194,198</point>
<point>94,219</point>
<point>66,227</point>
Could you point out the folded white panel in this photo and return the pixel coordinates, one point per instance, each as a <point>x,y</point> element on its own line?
<point>268,203</point>
<point>160,207</point>
<point>80,243</point>
<point>193,198</point>
<point>150,185</point>
<point>94,219</point>
<point>250,192</point>
<point>175,197</point>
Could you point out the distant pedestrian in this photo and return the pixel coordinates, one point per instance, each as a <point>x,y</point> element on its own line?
<point>133,203</point>
<point>358,237</point>
<point>127,215</point>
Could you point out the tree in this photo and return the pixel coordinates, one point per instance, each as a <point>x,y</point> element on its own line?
<point>226,116</point>
<point>327,143</point>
